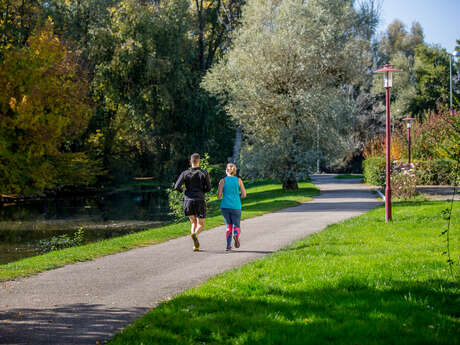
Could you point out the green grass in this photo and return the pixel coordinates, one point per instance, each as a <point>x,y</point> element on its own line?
<point>358,282</point>
<point>263,197</point>
<point>345,176</point>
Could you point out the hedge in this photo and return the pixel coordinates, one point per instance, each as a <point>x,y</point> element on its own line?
<point>432,172</point>
<point>374,171</point>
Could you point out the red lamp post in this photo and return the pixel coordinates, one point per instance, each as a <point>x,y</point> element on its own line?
<point>409,125</point>
<point>387,84</point>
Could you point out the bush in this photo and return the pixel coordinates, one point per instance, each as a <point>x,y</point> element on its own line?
<point>216,173</point>
<point>403,180</point>
<point>374,171</point>
<point>429,172</point>
<point>61,242</point>
<point>436,172</point>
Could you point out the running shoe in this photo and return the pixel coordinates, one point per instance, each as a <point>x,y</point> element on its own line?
<point>196,243</point>
<point>228,248</point>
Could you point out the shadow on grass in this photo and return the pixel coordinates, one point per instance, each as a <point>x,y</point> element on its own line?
<point>349,313</point>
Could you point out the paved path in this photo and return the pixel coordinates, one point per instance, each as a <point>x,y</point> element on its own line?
<point>90,301</point>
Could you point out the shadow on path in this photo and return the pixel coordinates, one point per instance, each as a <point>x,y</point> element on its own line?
<point>67,324</point>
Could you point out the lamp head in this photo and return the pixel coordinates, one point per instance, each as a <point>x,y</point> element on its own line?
<point>409,121</point>
<point>387,71</point>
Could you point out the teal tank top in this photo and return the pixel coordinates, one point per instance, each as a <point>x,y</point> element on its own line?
<point>231,194</point>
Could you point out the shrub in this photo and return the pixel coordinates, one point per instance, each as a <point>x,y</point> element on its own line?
<point>403,180</point>
<point>216,173</point>
<point>61,242</point>
<point>436,172</point>
<point>374,171</point>
<point>429,172</point>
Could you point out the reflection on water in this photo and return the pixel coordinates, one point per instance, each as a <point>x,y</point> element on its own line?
<point>102,216</point>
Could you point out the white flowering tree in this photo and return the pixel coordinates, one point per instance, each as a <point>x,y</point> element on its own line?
<point>289,82</point>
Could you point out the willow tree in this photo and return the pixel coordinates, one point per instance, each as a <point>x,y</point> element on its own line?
<point>287,82</point>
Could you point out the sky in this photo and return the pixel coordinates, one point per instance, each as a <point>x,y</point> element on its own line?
<point>440,19</point>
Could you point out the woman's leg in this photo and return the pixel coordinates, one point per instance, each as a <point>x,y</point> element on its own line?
<point>236,218</point>
<point>228,222</point>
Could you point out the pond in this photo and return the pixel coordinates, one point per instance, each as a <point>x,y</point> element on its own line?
<point>23,224</point>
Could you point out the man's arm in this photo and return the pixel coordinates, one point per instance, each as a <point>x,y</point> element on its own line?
<point>179,182</point>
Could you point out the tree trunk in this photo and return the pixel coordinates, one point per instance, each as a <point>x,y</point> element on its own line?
<point>290,185</point>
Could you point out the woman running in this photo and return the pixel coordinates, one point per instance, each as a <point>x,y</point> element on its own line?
<point>230,189</point>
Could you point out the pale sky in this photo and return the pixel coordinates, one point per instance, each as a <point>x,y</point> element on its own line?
<point>440,19</point>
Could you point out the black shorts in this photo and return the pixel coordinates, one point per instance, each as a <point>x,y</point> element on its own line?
<point>195,208</point>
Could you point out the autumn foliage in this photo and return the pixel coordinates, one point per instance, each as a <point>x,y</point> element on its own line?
<point>43,106</point>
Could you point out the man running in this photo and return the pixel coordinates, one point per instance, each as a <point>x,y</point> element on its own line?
<point>197,183</point>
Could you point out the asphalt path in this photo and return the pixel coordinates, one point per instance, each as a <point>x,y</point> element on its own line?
<point>89,302</point>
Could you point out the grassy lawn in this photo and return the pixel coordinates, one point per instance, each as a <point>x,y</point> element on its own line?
<point>263,197</point>
<point>358,282</point>
<point>345,176</point>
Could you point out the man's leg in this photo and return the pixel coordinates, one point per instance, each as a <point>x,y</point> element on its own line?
<point>199,225</point>
<point>193,229</point>
<point>193,223</point>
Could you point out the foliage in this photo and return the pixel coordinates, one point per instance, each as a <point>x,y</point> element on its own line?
<point>61,242</point>
<point>144,61</point>
<point>403,180</point>
<point>285,76</point>
<point>154,112</point>
<point>447,215</point>
<point>422,84</point>
<point>374,170</point>
<point>397,40</point>
<point>436,172</point>
<point>362,281</point>
<point>44,106</point>
<point>18,19</point>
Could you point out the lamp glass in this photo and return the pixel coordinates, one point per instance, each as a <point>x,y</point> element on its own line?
<point>387,79</point>
<point>408,124</point>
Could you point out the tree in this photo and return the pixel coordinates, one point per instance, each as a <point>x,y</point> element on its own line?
<point>423,82</point>
<point>156,114</point>
<point>18,19</point>
<point>43,105</point>
<point>288,79</point>
<point>397,40</point>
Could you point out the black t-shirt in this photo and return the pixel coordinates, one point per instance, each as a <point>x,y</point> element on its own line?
<point>196,182</point>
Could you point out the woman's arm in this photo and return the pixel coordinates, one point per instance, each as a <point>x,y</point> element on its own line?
<point>220,189</point>
<point>243,190</point>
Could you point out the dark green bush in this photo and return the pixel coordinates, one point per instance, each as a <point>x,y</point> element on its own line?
<point>374,171</point>
<point>216,173</point>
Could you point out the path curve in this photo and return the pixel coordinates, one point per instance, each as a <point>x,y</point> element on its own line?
<point>90,301</point>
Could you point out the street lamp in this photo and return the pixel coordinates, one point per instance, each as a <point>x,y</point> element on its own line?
<point>451,56</point>
<point>387,71</point>
<point>409,125</point>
